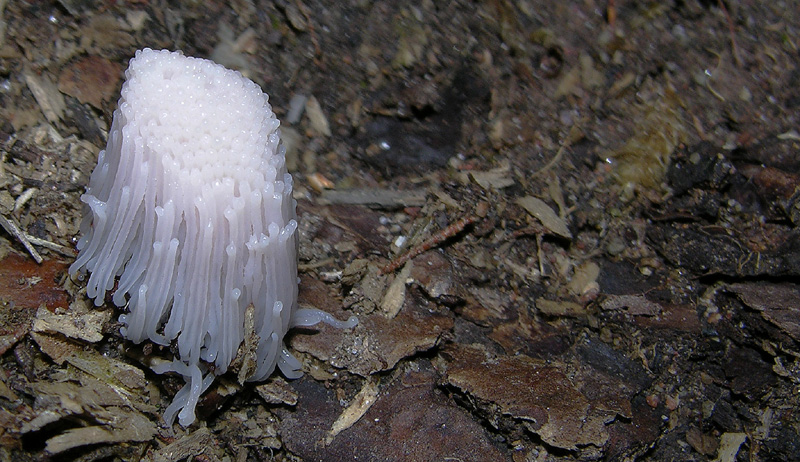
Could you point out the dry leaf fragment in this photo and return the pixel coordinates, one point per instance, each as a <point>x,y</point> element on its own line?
<point>542,212</point>
<point>127,426</point>
<point>729,446</point>
<point>55,346</point>
<point>636,305</point>
<point>584,278</point>
<point>91,80</point>
<point>246,359</point>
<point>538,395</point>
<point>50,100</point>
<point>277,391</point>
<point>76,323</point>
<point>396,293</point>
<point>357,408</point>
<point>778,303</point>
<point>559,308</point>
<point>108,370</point>
<point>316,117</point>
<point>496,178</point>
<point>193,444</point>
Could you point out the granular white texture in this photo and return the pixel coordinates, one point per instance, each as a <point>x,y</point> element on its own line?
<point>190,205</point>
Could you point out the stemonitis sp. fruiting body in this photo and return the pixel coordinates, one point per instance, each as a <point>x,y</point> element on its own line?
<point>191,207</point>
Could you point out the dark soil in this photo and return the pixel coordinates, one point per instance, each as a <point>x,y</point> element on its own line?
<point>598,202</point>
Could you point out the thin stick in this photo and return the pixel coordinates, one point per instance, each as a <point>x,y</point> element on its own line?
<point>66,251</point>
<point>573,135</point>
<point>430,243</point>
<point>12,229</point>
<point>611,10</point>
<point>732,31</point>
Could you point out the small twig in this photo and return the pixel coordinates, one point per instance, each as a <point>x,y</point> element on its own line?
<point>732,31</point>
<point>12,229</point>
<point>711,74</point>
<point>573,135</point>
<point>538,231</point>
<point>29,241</point>
<point>430,243</point>
<point>66,251</point>
<point>552,162</point>
<point>540,253</point>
